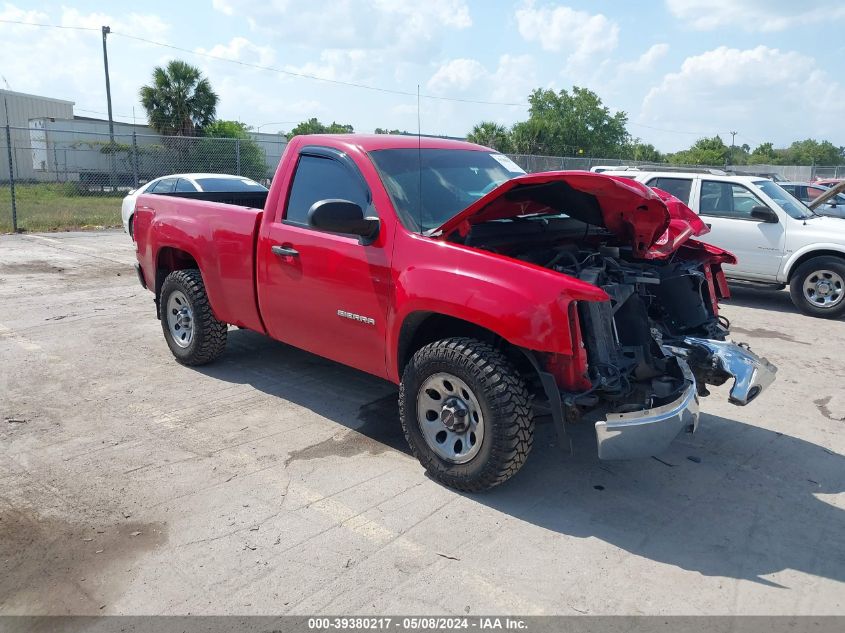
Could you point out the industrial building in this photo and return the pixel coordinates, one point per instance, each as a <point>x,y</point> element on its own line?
<point>51,144</point>
<point>20,111</point>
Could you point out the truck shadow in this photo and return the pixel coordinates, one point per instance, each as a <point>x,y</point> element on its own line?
<point>735,500</point>
<point>764,299</point>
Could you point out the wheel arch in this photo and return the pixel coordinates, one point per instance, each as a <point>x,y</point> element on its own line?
<point>421,328</point>
<point>800,258</point>
<point>168,259</point>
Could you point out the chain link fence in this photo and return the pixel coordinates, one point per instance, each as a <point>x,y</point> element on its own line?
<point>60,178</point>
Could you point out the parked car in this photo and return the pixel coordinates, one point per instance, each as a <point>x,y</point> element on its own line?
<point>777,240</point>
<point>440,266</point>
<point>828,182</point>
<point>806,192</point>
<point>185,183</point>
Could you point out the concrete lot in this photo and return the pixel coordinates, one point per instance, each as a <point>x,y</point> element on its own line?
<point>277,482</point>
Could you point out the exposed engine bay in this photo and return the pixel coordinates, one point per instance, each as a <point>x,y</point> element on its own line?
<point>641,357</point>
<point>654,339</point>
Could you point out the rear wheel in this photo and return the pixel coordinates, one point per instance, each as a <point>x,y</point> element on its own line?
<point>194,335</point>
<point>466,413</point>
<point>818,287</point>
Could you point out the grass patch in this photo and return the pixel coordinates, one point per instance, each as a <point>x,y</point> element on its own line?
<point>58,207</point>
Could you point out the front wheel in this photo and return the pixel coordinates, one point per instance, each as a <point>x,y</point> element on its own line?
<point>818,287</point>
<point>192,332</point>
<point>466,414</point>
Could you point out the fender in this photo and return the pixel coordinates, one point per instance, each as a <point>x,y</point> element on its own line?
<point>526,305</point>
<point>219,240</point>
<point>822,248</point>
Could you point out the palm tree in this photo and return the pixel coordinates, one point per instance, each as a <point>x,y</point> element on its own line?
<point>490,134</point>
<point>180,100</point>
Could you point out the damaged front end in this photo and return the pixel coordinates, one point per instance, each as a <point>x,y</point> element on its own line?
<point>654,347</point>
<point>643,357</point>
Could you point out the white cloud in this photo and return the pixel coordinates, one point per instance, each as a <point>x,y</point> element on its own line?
<point>754,15</point>
<point>79,76</point>
<point>458,75</point>
<point>560,29</point>
<point>338,65</point>
<point>511,80</point>
<point>242,50</point>
<point>646,61</point>
<point>514,78</point>
<point>409,29</point>
<point>750,90</point>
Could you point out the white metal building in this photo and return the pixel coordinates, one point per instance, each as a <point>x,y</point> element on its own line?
<point>23,112</point>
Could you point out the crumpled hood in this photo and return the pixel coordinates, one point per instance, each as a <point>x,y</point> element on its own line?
<point>652,221</point>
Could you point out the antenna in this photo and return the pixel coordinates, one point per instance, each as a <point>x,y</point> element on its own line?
<point>419,161</point>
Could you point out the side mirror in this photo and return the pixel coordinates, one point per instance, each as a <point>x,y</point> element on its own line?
<point>342,216</point>
<point>764,214</point>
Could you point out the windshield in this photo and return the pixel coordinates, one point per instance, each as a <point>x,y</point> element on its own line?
<point>451,180</point>
<point>228,185</point>
<point>793,206</point>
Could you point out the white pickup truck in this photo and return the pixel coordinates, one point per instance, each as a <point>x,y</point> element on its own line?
<point>776,238</point>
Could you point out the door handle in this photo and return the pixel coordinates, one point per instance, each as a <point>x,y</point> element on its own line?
<point>285,251</point>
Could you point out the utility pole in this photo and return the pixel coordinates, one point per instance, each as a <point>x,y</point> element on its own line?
<point>11,167</point>
<point>106,31</point>
<point>733,136</point>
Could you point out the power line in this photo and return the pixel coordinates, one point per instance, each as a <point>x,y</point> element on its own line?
<point>660,129</point>
<point>291,73</point>
<point>52,26</point>
<point>281,71</point>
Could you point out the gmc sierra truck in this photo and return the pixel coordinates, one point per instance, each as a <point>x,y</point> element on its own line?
<point>485,293</point>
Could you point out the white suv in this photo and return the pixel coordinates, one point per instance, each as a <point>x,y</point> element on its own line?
<point>775,237</point>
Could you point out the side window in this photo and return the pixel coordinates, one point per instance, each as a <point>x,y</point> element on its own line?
<point>812,193</point>
<point>183,185</point>
<point>727,200</point>
<point>678,187</point>
<point>318,178</point>
<point>165,185</point>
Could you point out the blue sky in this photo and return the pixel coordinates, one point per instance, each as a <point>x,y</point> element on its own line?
<point>681,69</point>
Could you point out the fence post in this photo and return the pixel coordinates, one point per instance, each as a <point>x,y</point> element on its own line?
<point>135,158</point>
<point>238,156</point>
<point>11,175</point>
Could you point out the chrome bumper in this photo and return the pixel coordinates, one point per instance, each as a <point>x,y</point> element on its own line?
<point>751,373</point>
<point>647,432</point>
<point>650,431</point>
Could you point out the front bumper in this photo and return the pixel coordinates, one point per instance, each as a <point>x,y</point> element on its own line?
<point>751,373</point>
<point>650,431</point>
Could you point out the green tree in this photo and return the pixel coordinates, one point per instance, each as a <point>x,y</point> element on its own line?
<point>764,154</point>
<point>705,151</point>
<point>180,101</point>
<point>576,122</point>
<point>530,137</point>
<point>384,130</point>
<point>812,152</point>
<point>313,126</point>
<point>492,135</point>
<point>227,147</point>
<point>637,150</point>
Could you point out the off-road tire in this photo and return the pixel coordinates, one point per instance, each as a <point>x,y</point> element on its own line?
<point>209,335</point>
<point>796,286</point>
<point>504,400</point>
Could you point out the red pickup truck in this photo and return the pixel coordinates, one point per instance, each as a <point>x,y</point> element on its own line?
<point>486,293</point>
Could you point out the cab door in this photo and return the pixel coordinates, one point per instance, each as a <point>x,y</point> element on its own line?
<point>325,292</point>
<point>758,245</point>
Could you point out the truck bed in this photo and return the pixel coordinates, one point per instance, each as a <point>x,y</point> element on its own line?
<point>219,236</point>
<point>251,199</point>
